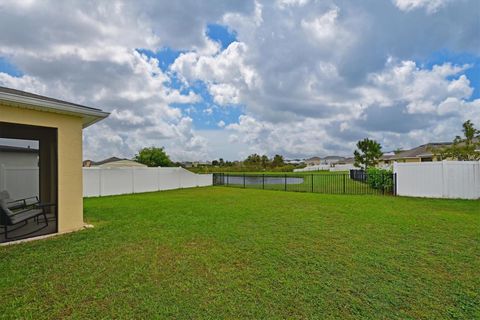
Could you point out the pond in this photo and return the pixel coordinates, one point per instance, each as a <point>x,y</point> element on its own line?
<point>253,180</point>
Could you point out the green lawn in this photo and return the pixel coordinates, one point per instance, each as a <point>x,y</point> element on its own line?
<point>231,253</point>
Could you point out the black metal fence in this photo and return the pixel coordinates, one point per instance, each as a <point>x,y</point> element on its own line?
<point>329,183</point>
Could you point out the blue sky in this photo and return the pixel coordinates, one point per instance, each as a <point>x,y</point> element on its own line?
<point>472,73</point>
<point>205,114</point>
<point>9,68</point>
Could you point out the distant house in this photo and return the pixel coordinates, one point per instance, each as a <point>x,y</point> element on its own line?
<point>113,162</point>
<point>294,161</point>
<point>194,164</point>
<point>314,161</point>
<point>331,160</point>
<point>423,153</point>
<point>328,160</point>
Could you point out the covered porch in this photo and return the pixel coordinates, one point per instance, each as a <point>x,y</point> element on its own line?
<point>28,185</point>
<point>41,194</point>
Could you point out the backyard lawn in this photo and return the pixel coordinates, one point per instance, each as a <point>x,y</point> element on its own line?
<point>221,252</point>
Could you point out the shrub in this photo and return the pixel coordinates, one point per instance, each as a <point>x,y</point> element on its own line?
<point>380,178</point>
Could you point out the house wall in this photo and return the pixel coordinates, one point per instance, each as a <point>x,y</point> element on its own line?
<point>69,131</point>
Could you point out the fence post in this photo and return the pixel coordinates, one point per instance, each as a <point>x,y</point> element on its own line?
<point>383,183</point>
<point>227,179</point>
<point>395,184</point>
<point>133,180</point>
<point>100,182</point>
<point>312,182</point>
<point>285,182</point>
<point>263,181</point>
<point>244,180</point>
<point>344,184</point>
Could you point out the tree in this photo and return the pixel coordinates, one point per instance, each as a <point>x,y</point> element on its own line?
<point>463,149</point>
<point>153,157</point>
<point>368,153</point>
<point>278,161</point>
<point>265,161</point>
<point>253,160</point>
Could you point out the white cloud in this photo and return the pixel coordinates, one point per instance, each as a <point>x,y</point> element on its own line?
<point>312,76</point>
<point>430,5</point>
<point>282,4</point>
<point>225,73</point>
<point>421,90</point>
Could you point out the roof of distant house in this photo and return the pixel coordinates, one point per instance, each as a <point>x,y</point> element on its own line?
<point>333,158</point>
<point>108,160</point>
<point>313,159</point>
<point>35,101</point>
<point>425,150</point>
<point>17,149</point>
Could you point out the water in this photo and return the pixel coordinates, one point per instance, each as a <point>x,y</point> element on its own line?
<point>249,180</point>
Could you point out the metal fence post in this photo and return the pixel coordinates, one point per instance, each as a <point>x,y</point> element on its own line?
<point>227,179</point>
<point>344,184</point>
<point>244,180</point>
<point>285,182</point>
<point>383,183</point>
<point>395,184</point>
<point>263,181</point>
<point>312,182</point>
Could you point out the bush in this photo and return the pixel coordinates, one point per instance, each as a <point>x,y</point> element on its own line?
<point>380,178</point>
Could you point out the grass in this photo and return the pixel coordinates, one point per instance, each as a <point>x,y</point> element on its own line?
<point>231,253</point>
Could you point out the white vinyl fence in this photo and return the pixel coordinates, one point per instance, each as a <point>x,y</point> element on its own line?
<point>327,167</point>
<point>20,182</point>
<point>111,181</point>
<point>443,179</point>
<point>343,167</point>
<point>317,167</point>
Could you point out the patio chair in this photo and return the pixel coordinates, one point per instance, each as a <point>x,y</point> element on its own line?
<point>21,216</point>
<point>18,203</point>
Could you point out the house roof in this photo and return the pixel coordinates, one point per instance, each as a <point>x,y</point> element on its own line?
<point>313,159</point>
<point>333,158</point>
<point>108,160</point>
<point>37,102</point>
<point>17,149</point>
<point>425,150</point>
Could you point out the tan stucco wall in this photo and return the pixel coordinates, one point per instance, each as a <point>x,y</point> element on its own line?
<point>69,129</point>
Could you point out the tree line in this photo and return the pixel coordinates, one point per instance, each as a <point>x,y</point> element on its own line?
<point>367,155</point>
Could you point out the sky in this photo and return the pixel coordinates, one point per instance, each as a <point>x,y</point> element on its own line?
<point>211,79</point>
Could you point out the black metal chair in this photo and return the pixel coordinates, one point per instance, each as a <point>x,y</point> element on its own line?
<point>13,218</point>
<point>18,203</point>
